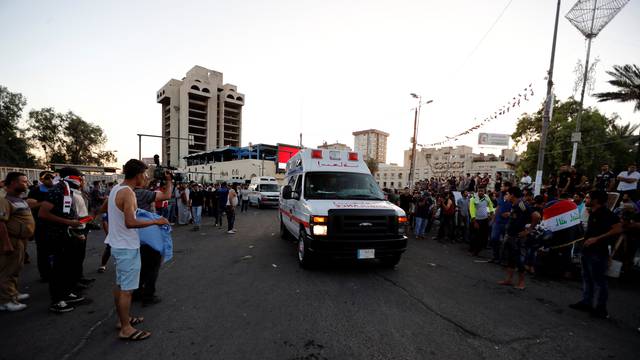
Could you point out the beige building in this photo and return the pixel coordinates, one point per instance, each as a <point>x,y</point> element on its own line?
<point>230,171</point>
<point>334,146</point>
<point>458,161</point>
<point>203,111</point>
<point>392,176</point>
<point>372,144</point>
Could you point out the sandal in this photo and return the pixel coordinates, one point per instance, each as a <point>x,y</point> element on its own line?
<point>137,335</point>
<point>102,269</point>
<point>133,321</point>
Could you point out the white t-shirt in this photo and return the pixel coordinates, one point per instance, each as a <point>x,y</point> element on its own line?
<point>625,186</point>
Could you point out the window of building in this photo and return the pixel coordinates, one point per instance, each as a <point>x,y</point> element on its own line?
<point>205,90</point>
<point>230,96</point>
<point>193,87</point>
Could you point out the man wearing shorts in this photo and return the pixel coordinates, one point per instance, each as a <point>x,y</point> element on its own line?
<point>125,245</point>
<point>520,215</point>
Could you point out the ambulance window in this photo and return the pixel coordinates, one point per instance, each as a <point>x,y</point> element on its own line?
<point>298,188</point>
<point>292,181</point>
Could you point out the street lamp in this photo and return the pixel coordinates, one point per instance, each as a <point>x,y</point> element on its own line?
<point>415,136</point>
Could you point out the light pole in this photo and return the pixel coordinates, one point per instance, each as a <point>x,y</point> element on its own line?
<point>414,139</point>
<point>589,17</point>
<point>190,139</point>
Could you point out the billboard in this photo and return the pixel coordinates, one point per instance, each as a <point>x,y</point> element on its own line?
<point>286,152</point>
<point>493,139</point>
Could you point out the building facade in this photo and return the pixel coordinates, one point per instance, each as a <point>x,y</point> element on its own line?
<point>445,162</point>
<point>372,144</point>
<point>335,146</point>
<point>235,171</point>
<point>199,113</point>
<point>392,176</point>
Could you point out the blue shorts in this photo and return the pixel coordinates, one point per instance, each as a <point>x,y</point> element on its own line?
<point>127,268</point>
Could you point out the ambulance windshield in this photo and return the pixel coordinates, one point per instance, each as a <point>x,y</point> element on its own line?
<point>340,185</point>
<point>269,188</point>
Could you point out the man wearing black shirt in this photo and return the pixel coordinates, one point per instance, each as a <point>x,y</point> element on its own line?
<point>36,196</point>
<point>150,259</point>
<point>606,180</point>
<point>498,182</point>
<point>60,217</point>
<point>405,200</point>
<point>196,201</point>
<point>564,179</point>
<point>602,227</point>
<point>517,230</point>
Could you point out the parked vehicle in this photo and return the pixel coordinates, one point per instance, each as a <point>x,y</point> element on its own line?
<point>264,191</point>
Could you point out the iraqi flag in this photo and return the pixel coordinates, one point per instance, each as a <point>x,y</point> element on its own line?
<point>561,215</point>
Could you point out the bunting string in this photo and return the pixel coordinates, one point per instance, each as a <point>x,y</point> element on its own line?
<point>524,96</point>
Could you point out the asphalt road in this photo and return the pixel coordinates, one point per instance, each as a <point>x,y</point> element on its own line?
<point>243,296</point>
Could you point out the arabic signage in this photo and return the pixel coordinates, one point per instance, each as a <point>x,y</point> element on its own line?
<point>493,139</point>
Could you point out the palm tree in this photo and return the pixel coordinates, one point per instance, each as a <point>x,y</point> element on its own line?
<point>627,79</point>
<point>622,131</point>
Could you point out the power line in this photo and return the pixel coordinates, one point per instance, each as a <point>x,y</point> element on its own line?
<point>495,22</point>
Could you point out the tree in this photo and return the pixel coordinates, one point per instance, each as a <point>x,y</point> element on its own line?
<point>14,148</point>
<point>67,138</point>
<point>372,164</point>
<point>46,126</point>
<point>603,139</point>
<point>627,79</point>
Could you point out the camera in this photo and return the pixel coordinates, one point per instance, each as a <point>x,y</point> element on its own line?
<point>160,171</point>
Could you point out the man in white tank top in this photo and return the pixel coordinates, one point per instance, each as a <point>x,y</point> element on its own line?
<point>125,245</point>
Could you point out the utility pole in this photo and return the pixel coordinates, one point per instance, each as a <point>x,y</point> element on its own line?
<point>413,146</point>
<point>548,109</point>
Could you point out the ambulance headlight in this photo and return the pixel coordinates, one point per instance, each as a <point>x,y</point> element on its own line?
<point>320,230</point>
<point>403,222</point>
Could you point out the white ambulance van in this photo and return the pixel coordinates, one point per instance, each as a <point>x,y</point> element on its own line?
<point>264,191</point>
<point>331,205</point>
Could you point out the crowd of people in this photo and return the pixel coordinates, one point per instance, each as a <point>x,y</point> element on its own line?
<point>499,215</point>
<point>503,216</point>
<point>59,209</point>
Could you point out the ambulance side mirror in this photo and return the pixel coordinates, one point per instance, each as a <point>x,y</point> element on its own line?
<point>286,192</point>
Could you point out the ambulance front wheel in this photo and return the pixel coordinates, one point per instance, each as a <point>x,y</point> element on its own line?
<point>305,258</point>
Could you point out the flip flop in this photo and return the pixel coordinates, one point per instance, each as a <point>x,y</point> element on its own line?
<point>133,320</point>
<point>137,335</point>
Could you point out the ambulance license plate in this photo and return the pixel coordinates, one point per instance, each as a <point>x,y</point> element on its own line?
<point>366,253</point>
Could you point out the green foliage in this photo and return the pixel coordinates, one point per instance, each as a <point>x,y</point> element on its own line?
<point>627,81</point>
<point>67,138</point>
<point>603,139</point>
<point>14,148</point>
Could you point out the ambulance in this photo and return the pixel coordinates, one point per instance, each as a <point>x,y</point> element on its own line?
<point>264,191</point>
<point>333,208</point>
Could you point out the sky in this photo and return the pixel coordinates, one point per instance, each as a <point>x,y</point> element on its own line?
<point>320,68</point>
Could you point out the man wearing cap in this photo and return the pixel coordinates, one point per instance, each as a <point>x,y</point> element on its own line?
<point>36,196</point>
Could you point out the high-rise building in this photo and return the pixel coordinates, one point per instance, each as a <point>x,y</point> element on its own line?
<point>372,144</point>
<point>199,113</point>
